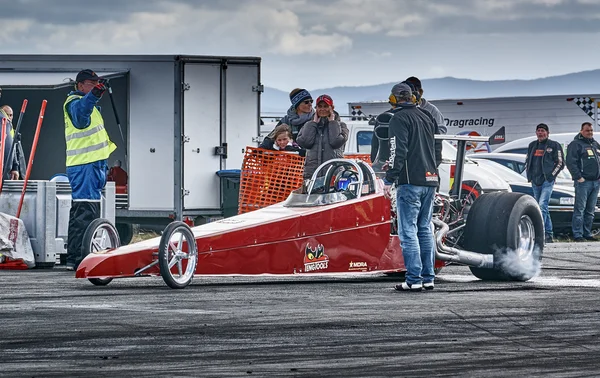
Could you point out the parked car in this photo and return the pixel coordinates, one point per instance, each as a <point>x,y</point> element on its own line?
<point>516,162</point>
<point>519,146</point>
<point>560,204</point>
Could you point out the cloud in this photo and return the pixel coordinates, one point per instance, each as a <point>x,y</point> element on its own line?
<point>159,27</point>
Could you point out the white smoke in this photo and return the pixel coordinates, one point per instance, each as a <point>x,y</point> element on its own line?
<point>514,265</point>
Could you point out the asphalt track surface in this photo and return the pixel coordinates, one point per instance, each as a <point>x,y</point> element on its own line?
<point>56,326</point>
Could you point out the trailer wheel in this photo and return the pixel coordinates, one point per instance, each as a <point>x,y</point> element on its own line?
<point>177,244</point>
<point>509,226</point>
<point>98,236</point>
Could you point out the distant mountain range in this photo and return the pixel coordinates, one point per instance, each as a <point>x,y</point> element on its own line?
<point>276,102</point>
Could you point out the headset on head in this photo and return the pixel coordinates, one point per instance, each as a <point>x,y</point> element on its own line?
<point>416,96</point>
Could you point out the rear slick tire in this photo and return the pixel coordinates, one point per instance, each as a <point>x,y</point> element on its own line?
<point>509,226</point>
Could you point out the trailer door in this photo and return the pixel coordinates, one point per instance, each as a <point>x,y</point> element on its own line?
<point>242,111</point>
<point>201,127</point>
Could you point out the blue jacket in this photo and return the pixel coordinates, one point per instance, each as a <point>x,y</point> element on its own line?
<point>87,180</point>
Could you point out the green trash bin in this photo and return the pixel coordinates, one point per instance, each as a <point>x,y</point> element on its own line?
<point>230,191</point>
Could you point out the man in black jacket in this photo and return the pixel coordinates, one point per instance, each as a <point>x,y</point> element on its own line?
<point>414,158</point>
<point>544,161</point>
<point>583,161</point>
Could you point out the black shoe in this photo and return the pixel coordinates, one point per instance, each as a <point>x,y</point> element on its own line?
<point>590,238</point>
<point>579,240</point>
<point>548,239</point>
<point>408,287</point>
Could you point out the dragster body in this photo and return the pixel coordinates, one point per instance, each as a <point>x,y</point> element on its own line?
<point>351,235</point>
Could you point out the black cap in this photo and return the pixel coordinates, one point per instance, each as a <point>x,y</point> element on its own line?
<point>86,75</point>
<point>542,126</point>
<point>415,82</point>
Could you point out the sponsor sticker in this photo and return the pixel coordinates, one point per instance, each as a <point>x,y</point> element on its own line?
<point>431,176</point>
<point>358,265</point>
<point>315,259</point>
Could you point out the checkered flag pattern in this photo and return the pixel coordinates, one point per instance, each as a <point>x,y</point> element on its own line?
<point>356,113</point>
<point>587,105</point>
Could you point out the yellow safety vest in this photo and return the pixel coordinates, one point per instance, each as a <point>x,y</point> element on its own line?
<point>86,145</point>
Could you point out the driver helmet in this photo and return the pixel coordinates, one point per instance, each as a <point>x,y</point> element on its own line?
<point>344,180</point>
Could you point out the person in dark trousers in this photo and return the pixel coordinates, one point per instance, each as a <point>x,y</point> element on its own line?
<point>12,171</point>
<point>324,137</point>
<point>415,155</point>
<point>88,148</point>
<point>583,162</point>
<point>545,160</point>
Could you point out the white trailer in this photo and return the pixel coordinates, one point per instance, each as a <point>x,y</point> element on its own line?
<point>519,115</point>
<point>183,118</point>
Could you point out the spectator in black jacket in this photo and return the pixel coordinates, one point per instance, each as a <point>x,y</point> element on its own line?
<point>544,162</point>
<point>414,158</point>
<point>583,161</point>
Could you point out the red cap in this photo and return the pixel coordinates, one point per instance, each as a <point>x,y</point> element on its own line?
<point>325,98</point>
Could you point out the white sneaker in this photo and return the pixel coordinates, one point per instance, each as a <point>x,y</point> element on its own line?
<point>408,287</point>
<point>428,285</point>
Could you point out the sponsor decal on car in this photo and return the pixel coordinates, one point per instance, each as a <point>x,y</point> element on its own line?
<point>358,265</point>
<point>315,258</point>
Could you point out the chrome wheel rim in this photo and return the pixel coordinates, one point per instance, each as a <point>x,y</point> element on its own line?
<point>105,237</point>
<point>526,242</point>
<point>176,255</point>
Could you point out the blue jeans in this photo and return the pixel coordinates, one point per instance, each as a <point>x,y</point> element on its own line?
<point>586,195</point>
<point>542,195</point>
<point>415,206</point>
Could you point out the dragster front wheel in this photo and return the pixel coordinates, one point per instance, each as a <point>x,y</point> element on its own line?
<point>177,255</point>
<point>100,235</point>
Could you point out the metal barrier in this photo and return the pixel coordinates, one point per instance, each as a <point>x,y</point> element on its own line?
<point>45,214</point>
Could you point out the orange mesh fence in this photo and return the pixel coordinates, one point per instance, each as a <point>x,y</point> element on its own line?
<point>268,177</point>
<point>364,157</point>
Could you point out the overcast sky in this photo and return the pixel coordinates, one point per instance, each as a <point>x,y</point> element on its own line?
<point>317,44</point>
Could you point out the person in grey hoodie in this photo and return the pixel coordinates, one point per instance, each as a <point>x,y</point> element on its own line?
<point>323,137</point>
<point>424,104</point>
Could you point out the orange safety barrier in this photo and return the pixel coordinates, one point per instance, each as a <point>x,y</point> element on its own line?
<point>364,157</point>
<point>268,177</point>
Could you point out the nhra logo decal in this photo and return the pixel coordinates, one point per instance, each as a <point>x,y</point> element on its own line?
<point>358,265</point>
<point>315,259</point>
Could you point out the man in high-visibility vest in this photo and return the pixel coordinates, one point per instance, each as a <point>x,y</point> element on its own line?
<point>13,172</point>
<point>88,148</point>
